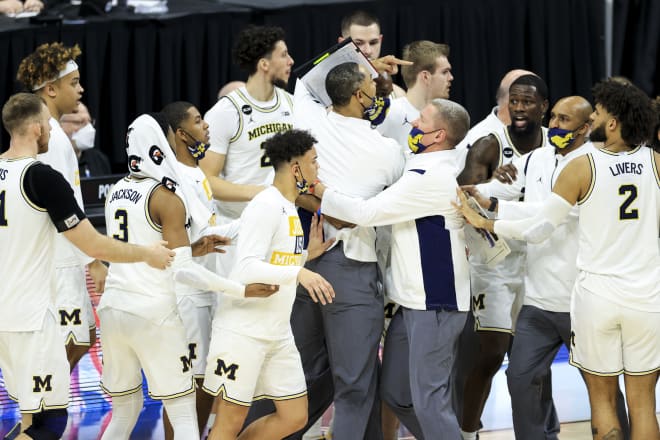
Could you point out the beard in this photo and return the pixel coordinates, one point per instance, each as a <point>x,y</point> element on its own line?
<point>279,82</point>
<point>598,134</point>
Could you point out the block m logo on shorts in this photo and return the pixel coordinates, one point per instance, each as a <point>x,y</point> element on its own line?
<point>478,302</point>
<point>42,384</point>
<point>228,371</point>
<point>67,318</point>
<point>187,361</point>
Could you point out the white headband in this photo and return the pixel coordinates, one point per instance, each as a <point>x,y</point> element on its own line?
<point>70,66</point>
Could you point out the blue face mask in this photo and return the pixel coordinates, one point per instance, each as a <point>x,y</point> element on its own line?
<point>415,140</point>
<point>561,138</point>
<point>377,111</point>
<point>198,148</point>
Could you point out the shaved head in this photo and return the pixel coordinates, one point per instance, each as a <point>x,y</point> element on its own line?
<point>502,95</point>
<point>576,106</point>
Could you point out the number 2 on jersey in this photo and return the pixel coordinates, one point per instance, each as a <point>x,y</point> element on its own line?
<point>625,213</point>
<point>3,217</point>
<point>265,160</point>
<point>122,216</point>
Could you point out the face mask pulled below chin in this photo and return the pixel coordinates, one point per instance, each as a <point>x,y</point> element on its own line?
<point>84,138</point>
<point>378,110</point>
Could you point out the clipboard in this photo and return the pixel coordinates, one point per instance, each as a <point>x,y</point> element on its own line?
<point>313,72</point>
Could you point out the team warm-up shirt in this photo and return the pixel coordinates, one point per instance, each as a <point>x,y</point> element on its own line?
<point>429,263</point>
<point>35,203</point>
<point>136,287</point>
<point>618,255</point>
<point>354,159</point>
<point>551,265</point>
<point>270,251</point>
<point>239,125</point>
<point>62,158</point>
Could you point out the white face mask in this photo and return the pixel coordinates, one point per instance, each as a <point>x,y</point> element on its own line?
<point>84,138</point>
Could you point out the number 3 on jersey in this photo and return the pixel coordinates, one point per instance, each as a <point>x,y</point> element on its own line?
<point>625,212</point>
<point>122,216</point>
<point>3,216</point>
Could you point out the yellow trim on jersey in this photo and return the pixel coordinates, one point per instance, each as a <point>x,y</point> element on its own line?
<point>236,135</point>
<point>508,138</point>
<point>42,406</point>
<point>278,102</point>
<point>152,223</point>
<point>222,392</point>
<point>25,197</point>
<point>288,397</point>
<point>655,167</point>
<point>621,153</point>
<point>500,161</point>
<point>479,328</point>
<point>595,373</point>
<point>593,179</point>
<point>120,393</point>
<point>640,373</point>
<point>175,395</point>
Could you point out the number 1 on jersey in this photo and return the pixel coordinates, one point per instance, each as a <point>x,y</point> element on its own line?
<point>624,212</point>
<point>3,216</point>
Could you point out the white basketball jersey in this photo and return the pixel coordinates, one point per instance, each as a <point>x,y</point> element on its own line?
<point>136,287</point>
<point>61,157</point>
<point>619,223</point>
<point>26,258</point>
<point>246,161</point>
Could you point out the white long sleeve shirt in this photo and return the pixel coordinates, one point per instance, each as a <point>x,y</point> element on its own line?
<point>354,159</point>
<point>429,263</point>
<point>551,265</point>
<point>270,251</point>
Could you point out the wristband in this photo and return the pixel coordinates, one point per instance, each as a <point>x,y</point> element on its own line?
<point>493,204</point>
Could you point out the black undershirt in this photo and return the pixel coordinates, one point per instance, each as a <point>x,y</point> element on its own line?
<point>49,190</point>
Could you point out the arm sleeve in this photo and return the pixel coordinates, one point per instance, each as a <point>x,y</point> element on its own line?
<point>412,196</point>
<point>510,210</point>
<point>258,225</point>
<point>538,227</point>
<point>187,272</point>
<point>48,189</point>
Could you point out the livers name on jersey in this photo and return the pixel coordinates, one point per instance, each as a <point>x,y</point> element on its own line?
<point>128,194</point>
<point>3,173</point>
<point>274,127</point>
<point>627,168</point>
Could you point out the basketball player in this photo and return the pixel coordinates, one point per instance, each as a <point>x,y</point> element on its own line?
<point>496,120</point>
<point>253,354</point>
<point>139,306</point>
<point>364,30</point>
<point>35,201</point>
<point>191,137</point>
<point>497,292</point>
<point>615,303</point>
<point>241,121</point>
<point>428,78</point>
<point>52,74</point>
<point>543,324</point>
